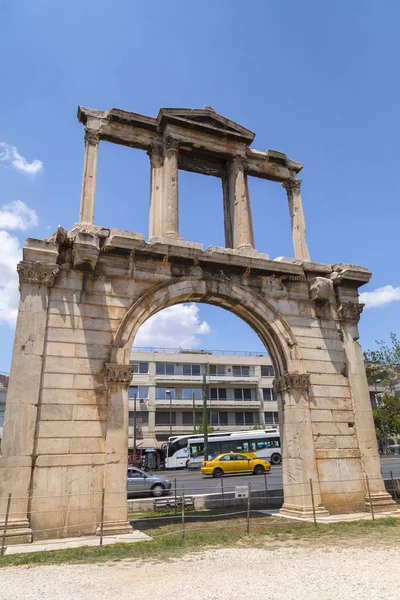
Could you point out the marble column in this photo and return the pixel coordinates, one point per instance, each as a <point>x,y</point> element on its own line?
<point>92,138</point>
<point>292,187</point>
<point>170,191</point>
<point>239,204</point>
<point>349,314</point>
<point>116,460</point>
<point>23,397</point>
<point>228,213</point>
<point>299,464</point>
<point>156,216</point>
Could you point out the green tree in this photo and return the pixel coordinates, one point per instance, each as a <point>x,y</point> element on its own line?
<point>383,368</point>
<point>201,429</point>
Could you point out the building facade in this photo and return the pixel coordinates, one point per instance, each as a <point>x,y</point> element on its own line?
<point>168,385</point>
<point>3,396</point>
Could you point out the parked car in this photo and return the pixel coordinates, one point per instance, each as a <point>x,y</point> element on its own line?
<point>224,464</point>
<point>141,483</point>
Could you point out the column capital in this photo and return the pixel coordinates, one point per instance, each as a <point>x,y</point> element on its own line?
<point>92,136</point>
<point>171,143</point>
<point>36,273</point>
<point>155,150</point>
<point>292,185</point>
<point>238,161</point>
<point>122,374</point>
<point>291,381</point>
<point>350,311</point>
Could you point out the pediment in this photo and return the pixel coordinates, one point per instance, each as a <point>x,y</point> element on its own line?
<point>203,118</point>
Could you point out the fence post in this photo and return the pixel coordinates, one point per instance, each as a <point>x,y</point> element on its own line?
<point>3,540</point>
<point>313,503</point>
<point>222,490</point>
<point>102,517</point>
<point>176,507</point>
<point>369,496</point>
<point>394,487</point>
<point>266,489</point>
<point>183,512</point>
<point>248,506</point>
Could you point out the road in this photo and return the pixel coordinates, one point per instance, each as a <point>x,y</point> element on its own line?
<point>196,483</point>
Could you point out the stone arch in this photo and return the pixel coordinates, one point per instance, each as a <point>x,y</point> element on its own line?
<point>251,307</point>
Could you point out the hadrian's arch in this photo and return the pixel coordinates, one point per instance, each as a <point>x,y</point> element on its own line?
<point>85,293</point>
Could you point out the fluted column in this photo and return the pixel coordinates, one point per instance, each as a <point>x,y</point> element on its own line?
<point>299,461</point>
<point>170,195</point>
<point>349,314</point>
<point>116,461</point>
<point>239,204</point>
<point>92,138</point>
<point>292,187</point>
<point>156,216</point>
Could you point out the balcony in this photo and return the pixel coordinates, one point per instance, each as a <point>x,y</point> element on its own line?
<point>211,404</point>
<point>211,379</point>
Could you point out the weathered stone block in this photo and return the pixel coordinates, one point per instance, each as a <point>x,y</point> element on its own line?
<point>55,412</point>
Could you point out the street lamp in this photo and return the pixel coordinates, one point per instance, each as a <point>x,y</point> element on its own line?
<point>169,395</point>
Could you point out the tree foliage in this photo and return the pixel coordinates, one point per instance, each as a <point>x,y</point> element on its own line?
<point>201,428</point>
<point>383,368</point>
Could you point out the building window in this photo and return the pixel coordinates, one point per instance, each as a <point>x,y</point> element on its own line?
<point>271,418</point>
<point>242,394</point>
<point>247,418</point>
<point>141,391</point>
<point>217,369</point>
<point>165,369</point>
<point>241,371</point>
<point>187,393</point>
<point>219,418</point>
<point>141,417</point>
<point>269,395</point>
<point>2,417</point>
<point>187,418</point>
<point>163,418</point>
<point>141,368</point>
<point>218,394</point>
<point>162,395</point>
<point>191,369</point>
<point>267,371</point>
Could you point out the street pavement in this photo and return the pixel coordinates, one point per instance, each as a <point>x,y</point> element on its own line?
<point>194,482</point>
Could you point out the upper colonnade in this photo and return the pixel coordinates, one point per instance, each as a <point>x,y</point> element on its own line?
<point>201,141</point>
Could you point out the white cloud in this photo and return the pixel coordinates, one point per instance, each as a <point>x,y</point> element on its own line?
<point>10,254</point>
<point>10,154</point>
<point>380,296</point>
<point>17,215</point>
<point>174,327</point>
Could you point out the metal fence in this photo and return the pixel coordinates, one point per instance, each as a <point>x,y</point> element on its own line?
<point>231,507</point>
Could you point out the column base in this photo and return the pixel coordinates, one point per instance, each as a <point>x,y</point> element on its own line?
<point>381,502</point>
<point>302,512</point>
<point>18,531</point>
<point>173,235</point>
<point>115,528</point>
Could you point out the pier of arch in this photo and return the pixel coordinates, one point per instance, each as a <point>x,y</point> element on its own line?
<point>85,293</point>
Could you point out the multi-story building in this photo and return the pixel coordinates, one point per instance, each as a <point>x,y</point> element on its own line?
<point>169,388</point>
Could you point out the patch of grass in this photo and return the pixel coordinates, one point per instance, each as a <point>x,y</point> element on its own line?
<point>201,536</point>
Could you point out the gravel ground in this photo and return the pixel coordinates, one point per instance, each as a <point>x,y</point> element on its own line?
<point>285,573</point>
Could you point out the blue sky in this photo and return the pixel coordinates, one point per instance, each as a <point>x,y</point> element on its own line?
<point>317,80</point>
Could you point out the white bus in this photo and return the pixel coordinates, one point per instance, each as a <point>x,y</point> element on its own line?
<point>263,443</point>
<point>186,450</point>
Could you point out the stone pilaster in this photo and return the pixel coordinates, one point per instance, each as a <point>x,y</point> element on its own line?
<point>170,193</point>
<point>23,397</point>
<point>292,187</point>
<point>92,138</point>
<point>349,315</point>
<point>299,462</point>
<point>239,204</point>
<point>116,460</point>
<point>156,217</point>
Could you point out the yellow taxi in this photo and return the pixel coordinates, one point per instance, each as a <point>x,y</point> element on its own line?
<point>233,462</point>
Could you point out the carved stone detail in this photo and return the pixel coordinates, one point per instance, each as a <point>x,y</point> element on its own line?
<point>92,136</point>
<point>171,143</point>
<point>37,273</point>
<point>321,289</point>
<point>350,311</point>
<point>119,373</point>
<point>238,161</point>
<point>290,381</point>
<point>292,185</point>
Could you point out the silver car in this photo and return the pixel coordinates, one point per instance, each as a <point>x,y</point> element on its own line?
<point>141,483</point>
